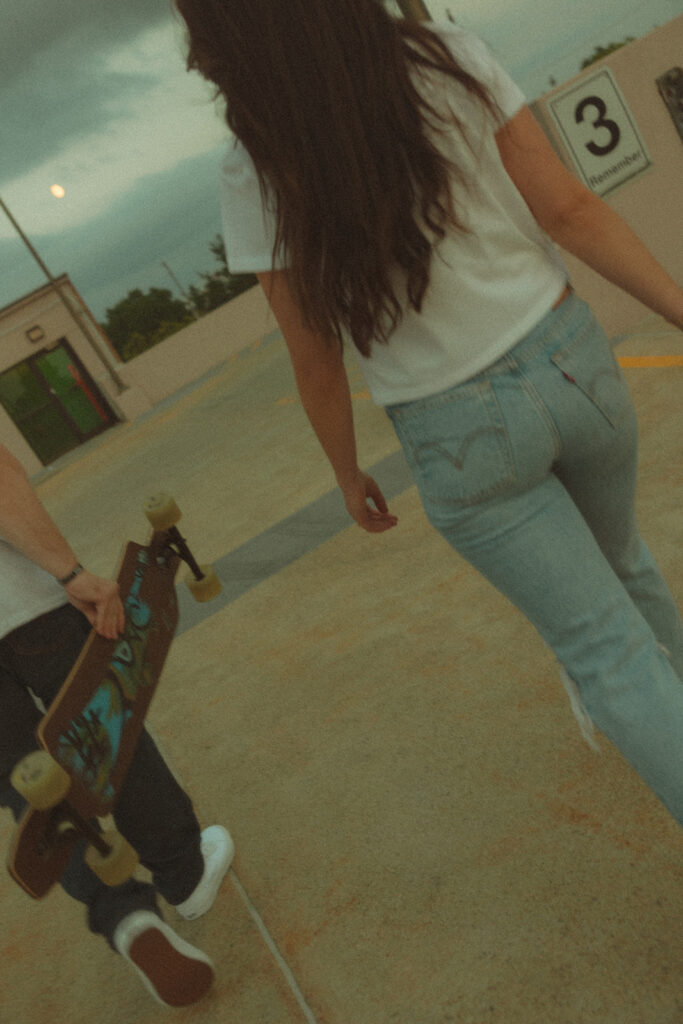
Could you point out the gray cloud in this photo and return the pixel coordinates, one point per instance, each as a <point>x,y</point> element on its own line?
<point>32,27</point>
<point>170,216</point>
<point>54,89</point>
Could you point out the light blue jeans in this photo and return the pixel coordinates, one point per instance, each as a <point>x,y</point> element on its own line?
<point>529,471</point>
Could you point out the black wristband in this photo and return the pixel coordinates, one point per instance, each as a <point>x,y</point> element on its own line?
<point>72,575</point>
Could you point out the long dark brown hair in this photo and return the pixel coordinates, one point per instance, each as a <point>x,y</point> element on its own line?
<point>322,94</point>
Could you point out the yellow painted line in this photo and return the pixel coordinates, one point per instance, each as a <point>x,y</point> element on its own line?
<point>657,362</point>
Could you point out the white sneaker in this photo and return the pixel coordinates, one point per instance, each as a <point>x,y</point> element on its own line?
<point>171,969</point>
<point>218,850</point>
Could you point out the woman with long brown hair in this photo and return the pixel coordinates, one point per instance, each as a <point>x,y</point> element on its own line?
<point>389,186</point>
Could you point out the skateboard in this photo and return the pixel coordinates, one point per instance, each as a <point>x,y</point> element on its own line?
<point>89,734</point>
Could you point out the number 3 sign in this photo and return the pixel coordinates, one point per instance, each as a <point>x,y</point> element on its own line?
<point>599,132</point>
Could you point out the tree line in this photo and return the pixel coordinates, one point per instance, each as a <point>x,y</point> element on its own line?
<point>143,319</point>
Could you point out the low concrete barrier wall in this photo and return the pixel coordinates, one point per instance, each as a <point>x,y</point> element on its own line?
<point>635,143</point>
<point>192,352</point>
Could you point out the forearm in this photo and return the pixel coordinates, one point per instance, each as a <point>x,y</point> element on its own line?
<point>26,525</point>
<point>325,396</point>
<point>323,386</point>
<point>596,235</point>
<point>321,380</point>
<point>580,222</point>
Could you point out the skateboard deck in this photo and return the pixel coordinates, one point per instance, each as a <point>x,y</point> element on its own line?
<point>93,725</point>
<point>40,850</point>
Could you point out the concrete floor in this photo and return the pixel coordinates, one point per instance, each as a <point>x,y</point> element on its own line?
<point>422,835</point>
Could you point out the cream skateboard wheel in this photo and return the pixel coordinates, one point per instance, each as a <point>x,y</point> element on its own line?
<point>205,589</point>
<point>162,511</point>
<point>41,781</point>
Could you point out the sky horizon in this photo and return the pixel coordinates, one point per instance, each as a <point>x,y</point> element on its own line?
<point>97,100</point>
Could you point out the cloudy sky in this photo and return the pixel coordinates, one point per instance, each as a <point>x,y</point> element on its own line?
<point>95,97</point>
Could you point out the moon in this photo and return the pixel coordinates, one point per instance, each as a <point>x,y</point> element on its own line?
<point>57,191</point>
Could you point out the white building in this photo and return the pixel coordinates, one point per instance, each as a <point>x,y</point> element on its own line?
<point>56,390</point>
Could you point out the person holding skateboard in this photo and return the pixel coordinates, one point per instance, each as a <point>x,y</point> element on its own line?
<point>389,185</point>
<point>48,602</point>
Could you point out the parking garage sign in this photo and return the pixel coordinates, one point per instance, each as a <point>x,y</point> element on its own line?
<point>600,132</point>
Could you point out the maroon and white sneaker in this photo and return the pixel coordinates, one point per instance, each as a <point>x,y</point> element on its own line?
<point>176,973</point>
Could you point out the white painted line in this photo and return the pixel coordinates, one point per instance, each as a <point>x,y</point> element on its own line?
<point>256,917</point>
<point>277,955</point>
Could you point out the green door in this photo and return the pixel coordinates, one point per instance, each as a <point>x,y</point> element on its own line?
<point>54,402</point>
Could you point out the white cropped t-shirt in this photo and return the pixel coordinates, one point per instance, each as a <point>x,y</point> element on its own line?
<point>26,591</point>
<point>488,288</point>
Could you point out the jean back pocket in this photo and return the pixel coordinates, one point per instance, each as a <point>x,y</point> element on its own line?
<point>457,446</point>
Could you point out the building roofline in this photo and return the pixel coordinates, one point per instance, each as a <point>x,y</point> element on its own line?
<point>42,289</point>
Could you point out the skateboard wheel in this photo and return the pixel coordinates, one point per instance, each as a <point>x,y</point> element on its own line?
<point>205,589</point>
<point>117,866</point>
<point>41,781</point>
<point>162,511</point>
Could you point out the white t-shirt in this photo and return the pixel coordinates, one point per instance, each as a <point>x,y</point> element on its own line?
<point>487,288</point>
<point>26,591</point>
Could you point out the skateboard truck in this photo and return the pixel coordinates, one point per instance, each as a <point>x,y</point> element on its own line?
<point>44,785</point>
<point>177,543</point>
<point>64,815</point>
<point>163,514</point>
<point>54,826</point>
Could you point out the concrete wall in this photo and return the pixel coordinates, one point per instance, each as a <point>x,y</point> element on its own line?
<point>652,203</point>
<point>189,354</point>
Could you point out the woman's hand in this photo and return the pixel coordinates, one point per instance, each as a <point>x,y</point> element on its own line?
<point>357,492</point>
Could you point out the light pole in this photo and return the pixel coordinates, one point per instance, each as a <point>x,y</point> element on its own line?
<point>190,304</point>
<point>76,315</point>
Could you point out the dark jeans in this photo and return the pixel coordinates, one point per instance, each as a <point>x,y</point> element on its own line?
<point>152,811</point>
